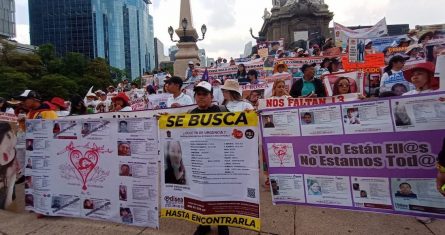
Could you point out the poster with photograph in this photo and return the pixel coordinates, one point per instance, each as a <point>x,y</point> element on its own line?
<point>12,162</point>
<point>103,169</point>
<point>371,155</point>
<point>210,168</point>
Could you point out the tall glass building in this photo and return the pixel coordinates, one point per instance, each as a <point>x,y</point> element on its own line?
<point>121,31</point>
<point>7,19</point>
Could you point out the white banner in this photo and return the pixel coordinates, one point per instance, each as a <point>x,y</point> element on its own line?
<point>343,33</point>
<point>94,168</point>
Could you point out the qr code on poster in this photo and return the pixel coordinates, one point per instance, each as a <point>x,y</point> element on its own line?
<point>251,193</point>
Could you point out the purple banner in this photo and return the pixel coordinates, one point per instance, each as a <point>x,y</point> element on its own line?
<point>373,155</point>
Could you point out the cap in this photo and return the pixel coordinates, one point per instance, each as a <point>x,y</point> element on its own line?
<point>300,50</point>
<point>409,70</point>
<point>305,66</point>
<point>29,94</point>
<point>203,86</point>
<point>367,41</point>
<point>191,62</point>
<point>59,102</point>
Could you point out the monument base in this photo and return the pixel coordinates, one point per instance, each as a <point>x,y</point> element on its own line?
<point>188,51</point>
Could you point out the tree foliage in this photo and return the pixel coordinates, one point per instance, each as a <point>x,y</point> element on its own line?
<point>51,75</point>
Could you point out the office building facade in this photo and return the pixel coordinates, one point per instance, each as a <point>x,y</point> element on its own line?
<point>121,31</point>
<point>7,19</point>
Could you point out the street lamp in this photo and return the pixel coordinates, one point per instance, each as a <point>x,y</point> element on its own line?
<point>203,31</point>
<point>184,25</point>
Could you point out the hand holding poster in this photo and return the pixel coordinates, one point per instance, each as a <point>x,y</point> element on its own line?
<point>376,156</point>
<point>210,168</point>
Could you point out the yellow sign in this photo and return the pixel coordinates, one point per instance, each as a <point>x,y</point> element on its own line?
<point>240,221</point>
<point>208,120</point>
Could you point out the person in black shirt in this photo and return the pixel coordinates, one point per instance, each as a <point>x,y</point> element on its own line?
<point>203,97</point>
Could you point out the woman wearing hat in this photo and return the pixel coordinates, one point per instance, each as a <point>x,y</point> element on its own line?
<point>422,77</point>
<point>233,99</point>
<point>393,75</point>
<point>60,106</point>
<point>280,69</point>
<point>121,103</point>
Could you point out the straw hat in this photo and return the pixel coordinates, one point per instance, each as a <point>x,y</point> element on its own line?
<point>281,63</point>
<point>231,85</point>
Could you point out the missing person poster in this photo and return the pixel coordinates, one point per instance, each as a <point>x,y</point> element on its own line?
<point>374,155</point>
<point>210,168</point>
<point>12,160</point>
<point>103,169</point>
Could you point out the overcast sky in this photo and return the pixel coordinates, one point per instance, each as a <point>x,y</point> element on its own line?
<point>228,21</point>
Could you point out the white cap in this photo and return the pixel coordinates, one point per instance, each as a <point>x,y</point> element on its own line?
<point>191,62</point>
<point>300,50</point>
<point>367,41</point>
<point>205,85</point>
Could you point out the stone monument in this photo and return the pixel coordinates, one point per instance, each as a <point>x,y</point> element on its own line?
<point>188,49</point>
<point>297,22</point>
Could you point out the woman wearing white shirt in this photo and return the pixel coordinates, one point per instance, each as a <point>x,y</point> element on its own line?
<point>421,76</point>
<point>232,97</point>
<point>279,90</point>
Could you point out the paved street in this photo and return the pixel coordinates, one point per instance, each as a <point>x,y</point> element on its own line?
<point>283,220</point>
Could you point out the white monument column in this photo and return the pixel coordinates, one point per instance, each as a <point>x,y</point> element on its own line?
<point>188,50</point>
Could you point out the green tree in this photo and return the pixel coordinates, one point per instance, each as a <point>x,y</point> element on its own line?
<point>52,85</point>
<point>12,83</point>
<point>74,64</point>
<point>47,53</point>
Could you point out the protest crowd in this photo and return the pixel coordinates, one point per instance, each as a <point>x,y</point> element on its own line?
<point>365,70</point>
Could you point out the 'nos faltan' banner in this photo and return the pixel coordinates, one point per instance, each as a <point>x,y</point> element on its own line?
<point>210,168</point>
<point>376,155</point>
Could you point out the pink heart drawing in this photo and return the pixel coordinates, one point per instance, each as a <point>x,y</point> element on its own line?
<point>280,151</point>
<point>84,163</point>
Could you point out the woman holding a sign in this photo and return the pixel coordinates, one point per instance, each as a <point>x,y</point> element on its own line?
<point>232,97</point>
<point>422,76</point>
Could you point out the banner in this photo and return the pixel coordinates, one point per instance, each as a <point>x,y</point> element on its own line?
<point>210,168</point>
<point>376,156</point>
<point>343,33</point>
<point>272,103</point>
<point>12,161</point>
<point>103,169</point>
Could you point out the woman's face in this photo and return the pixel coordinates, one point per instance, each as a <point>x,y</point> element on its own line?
<point>252,77</point>
<point>280,69</point>
<point>420,79</point>
<point>343,86</point>
<point>227,95</point>
<point>315,188</point>
<point>7,148</point>
<point>241,68</point>
<point>280,89</point>
<point>254,96</point>
<point>397,66</point>
<point>175,154</point>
